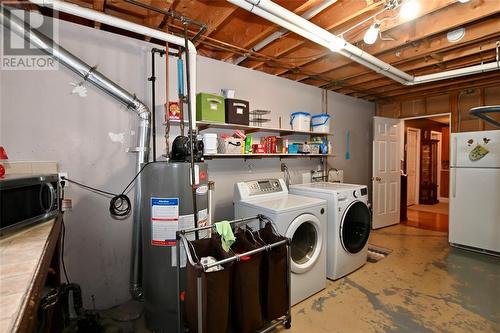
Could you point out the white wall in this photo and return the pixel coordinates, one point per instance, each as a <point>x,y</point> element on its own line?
<point>41,120</point>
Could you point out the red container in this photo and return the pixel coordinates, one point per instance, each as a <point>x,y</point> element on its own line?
<point>258,149</point>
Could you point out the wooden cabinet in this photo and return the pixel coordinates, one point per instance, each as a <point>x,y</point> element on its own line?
<point>428,172</point>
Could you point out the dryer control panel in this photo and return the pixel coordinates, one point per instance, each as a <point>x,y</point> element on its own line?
<point>254,188</point>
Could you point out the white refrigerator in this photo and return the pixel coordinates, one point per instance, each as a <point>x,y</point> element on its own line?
<point>475,191</point>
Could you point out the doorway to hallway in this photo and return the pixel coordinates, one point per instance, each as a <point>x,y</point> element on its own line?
<point>425,165</point>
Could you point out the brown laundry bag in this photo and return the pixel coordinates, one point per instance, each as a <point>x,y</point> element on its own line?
<point>216,288</point>
<point>246,310</point>
<point>274,275</point>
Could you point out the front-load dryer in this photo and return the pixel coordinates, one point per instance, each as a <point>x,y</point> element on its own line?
<point>302,219</point>
<point>348,226</point>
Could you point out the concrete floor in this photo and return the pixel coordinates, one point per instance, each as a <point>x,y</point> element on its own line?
<point>422,286</point>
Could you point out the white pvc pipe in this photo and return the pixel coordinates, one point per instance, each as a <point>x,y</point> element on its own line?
<point>93,15</point>
<point>457,72</point>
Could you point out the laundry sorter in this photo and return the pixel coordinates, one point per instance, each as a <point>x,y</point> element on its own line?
<point>244,290</point>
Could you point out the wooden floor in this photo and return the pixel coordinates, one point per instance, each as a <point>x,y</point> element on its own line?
<point>427,220</point>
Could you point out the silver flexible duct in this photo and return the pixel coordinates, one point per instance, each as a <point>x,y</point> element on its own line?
<point>90,74</point>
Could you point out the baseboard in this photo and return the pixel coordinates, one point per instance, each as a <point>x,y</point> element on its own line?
<point>443,199</point>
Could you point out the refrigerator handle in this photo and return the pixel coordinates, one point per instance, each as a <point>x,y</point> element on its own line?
<point>454,152</point>
<point>453,182</point>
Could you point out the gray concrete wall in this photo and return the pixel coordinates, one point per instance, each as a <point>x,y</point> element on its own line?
<point>41,120</point>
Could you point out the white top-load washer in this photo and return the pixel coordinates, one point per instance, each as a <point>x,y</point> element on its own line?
<point>348,227</point>
<point>302,219</point>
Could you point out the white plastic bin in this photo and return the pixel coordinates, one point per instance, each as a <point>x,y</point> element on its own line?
<point>321,123</point>
<point>210,143</point>
<point>300,121</point>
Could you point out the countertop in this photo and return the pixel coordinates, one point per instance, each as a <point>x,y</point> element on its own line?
<point>24,260</point>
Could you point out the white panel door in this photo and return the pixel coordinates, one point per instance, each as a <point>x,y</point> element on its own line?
<point>386,171</point>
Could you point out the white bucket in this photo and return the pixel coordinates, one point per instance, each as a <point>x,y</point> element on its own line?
<point>300,121</point>
<point>320,123</point>
<point>227,93</point>
<point>210,143</point>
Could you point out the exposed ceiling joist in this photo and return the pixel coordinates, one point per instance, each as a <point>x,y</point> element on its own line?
<point>418,47</point>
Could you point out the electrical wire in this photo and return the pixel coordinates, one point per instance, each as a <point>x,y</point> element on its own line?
<point>63,227</point>
<point>63,233</point>
<point>120,205</point>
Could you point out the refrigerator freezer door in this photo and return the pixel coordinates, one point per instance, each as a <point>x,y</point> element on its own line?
<point>465,152</point>
<point>475,208</point>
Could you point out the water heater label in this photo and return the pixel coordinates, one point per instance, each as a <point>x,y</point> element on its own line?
<point>164,221</point>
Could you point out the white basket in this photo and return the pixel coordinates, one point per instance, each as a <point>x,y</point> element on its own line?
<point>320,123</point>
<point>231,146</point>
<point>300,121</point>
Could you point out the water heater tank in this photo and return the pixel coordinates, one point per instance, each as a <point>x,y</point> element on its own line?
<point>166,205</point>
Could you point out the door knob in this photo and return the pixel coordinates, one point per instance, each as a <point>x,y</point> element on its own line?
<point>376,179</point>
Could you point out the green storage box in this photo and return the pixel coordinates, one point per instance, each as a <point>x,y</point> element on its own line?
<point>210,108</point>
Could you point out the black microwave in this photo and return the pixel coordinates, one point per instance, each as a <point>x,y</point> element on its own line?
<point>27,199</point>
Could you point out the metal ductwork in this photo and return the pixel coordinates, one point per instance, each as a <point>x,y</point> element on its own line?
<point>293,22</point>
<point>92,75</point>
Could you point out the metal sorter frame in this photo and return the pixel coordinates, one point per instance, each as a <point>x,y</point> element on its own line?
<point>181,237</point>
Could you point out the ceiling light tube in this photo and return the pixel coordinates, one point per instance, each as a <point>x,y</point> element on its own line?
<point>371,34</point>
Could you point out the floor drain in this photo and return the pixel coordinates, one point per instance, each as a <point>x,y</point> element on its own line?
<point>377,253</point>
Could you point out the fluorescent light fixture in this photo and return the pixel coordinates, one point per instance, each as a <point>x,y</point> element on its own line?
<point>371,34</point>
<point>463,1</point>
<point>409,10</point>
<point>337,44</point>
<point>456,35</point>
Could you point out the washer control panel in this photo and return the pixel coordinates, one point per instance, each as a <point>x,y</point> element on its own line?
<point>265,186</point>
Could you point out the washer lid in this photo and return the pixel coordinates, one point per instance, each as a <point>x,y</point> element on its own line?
<point>284,203</point>
<point>327,187</point>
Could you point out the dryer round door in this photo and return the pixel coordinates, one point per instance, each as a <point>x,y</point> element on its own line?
<point>355,227</point>
<point>307,241</point>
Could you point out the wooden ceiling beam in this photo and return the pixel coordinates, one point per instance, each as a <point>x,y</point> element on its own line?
<point>476,83</point>
<point>417,30</point>
<point>127,9</point>
<point>388,89</point>
<point>272,29</point>
<point>100,6</point>
<point>238,29</point>
<point>327,61</point>
<point>475,55</point>
<point>154,19</point>
<point>476,35</point>
<point>216,17</point>
<point>423,88</point>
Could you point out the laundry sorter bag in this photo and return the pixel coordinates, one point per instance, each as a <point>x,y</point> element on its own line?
<point>274,275</point>
<point>216,288</point>
<point>246,310</point>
